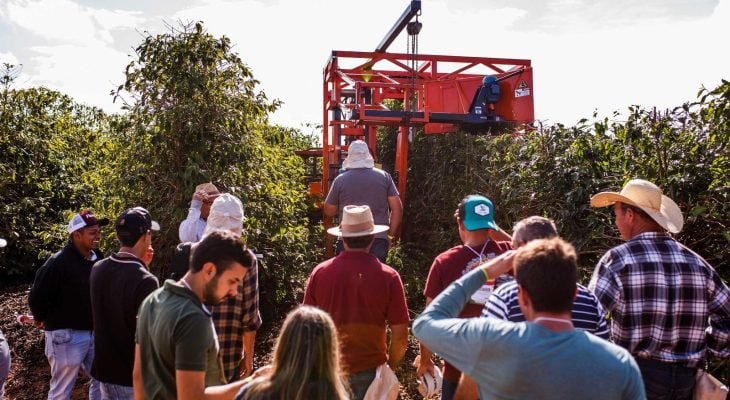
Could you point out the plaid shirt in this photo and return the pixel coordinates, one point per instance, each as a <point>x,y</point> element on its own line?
<point>233,317</point>
<point>660,295</point>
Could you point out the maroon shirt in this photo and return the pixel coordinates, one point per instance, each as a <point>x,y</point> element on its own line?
<point>450,266</point>
<point>361,294</point>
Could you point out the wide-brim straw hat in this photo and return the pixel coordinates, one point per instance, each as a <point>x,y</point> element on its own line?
<point>358,156</point>
<point>357,221</point>
<point>648,197</point>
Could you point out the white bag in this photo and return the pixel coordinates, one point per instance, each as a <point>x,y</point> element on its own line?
<point>385,386</point>
<point>707,387</point>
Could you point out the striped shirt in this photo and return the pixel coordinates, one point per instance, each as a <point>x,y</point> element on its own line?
<point>587,311</point>
<point>666,302</point>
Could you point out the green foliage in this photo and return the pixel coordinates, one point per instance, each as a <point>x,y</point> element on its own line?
<point>195,115</point>
<point>45,138</point>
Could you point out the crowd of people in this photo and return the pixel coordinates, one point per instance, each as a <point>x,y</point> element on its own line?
<point>505,312</point>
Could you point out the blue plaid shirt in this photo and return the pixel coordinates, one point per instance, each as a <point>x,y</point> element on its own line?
<point>666,302</point>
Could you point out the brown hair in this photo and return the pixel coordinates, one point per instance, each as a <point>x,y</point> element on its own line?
<point>547,270</point>
<point>223,249</point>
<point>534,227</point>
<point>358,242</point>
<point>306,362</point>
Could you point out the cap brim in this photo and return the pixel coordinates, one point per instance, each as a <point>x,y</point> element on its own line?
<point>377,229</point>
<point>155,226</point>
<point>102,222</point>
<point>476,225</point>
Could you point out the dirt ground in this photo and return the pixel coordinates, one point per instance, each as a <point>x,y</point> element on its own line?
<point>30,373</point>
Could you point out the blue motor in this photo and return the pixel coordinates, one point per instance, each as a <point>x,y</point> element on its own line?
<point>482,107</point>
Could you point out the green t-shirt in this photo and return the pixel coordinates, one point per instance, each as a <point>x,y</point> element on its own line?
<point>175,332</point>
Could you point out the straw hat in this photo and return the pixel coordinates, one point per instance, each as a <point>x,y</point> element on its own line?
<point>358,156</point>
<point>207,188</point>
<point>357,221</point>
<point>648,197</point>
<point>226,213</point>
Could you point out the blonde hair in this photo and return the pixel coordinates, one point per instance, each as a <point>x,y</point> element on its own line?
<point>306,361</point>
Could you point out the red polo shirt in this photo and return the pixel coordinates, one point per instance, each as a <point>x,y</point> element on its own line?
<point>362,295</point>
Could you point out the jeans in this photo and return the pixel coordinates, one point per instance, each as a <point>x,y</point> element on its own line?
<point>110,391</point>
<point>360,382</point>
<point>664,381</point>
<point>448,390</point>
<point>379,248</point>
<point>69,350</point>
<point>4,363</point>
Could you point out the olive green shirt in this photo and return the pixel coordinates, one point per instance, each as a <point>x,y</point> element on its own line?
<point>175,332</point>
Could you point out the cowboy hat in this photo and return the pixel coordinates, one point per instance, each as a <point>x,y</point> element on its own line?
<point>648,197</point>
<point>357,221</point>
<point>358,156</point>
<point>207,187</point>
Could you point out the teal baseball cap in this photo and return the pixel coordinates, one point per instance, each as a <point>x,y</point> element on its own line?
<point>477,212</point>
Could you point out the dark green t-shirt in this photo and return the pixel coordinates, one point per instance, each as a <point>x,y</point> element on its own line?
<point>175,332</point>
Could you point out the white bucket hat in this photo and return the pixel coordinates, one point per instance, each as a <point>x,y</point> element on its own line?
<point>357,221</point>
<point>358,156</point>
<point>226,213</point>
<point>648,197</point>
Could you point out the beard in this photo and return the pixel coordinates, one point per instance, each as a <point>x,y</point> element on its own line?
<point>209,296</point>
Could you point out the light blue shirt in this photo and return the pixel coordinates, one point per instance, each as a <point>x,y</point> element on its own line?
<point>525,360</point>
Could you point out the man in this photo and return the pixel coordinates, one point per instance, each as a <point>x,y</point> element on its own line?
<point>362,295</point>
<point>191,229</point>
<point>587,312</point>
<point>238,318</point>
<point>60,301</point>
<point>119,284</point>
<point>669,308</point>
<point>545,358</point>
<point>176,356</point>
<point>477,230</point>
<point>364,184</point>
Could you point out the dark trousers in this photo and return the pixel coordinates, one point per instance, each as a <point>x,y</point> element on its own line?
<point>665,381</point>
<point>379,248</point>
<point>360,382</point>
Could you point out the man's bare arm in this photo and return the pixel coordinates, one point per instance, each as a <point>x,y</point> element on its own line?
<point>426,362</point>
<point>330,210</point>
<point>191,386</point>
<point>467,389</point>
<point>246,367</point>
<point>137,383</point>
<point>396,215</point>
<point>398,344</point>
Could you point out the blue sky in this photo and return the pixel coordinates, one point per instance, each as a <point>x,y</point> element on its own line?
<point>587,55</point>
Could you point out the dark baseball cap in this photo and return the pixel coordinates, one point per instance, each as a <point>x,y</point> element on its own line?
<point>134,222</point>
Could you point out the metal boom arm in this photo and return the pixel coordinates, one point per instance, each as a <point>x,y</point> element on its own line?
<point>413,9</point>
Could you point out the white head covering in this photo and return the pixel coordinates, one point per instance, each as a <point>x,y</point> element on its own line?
<point>226,213</point>
<point>358,156</point>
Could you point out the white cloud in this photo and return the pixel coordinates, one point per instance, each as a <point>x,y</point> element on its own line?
<point>65,21</point>
<point>659,58</point>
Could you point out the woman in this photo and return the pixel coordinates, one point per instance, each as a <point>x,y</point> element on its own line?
<point>305,364</point>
